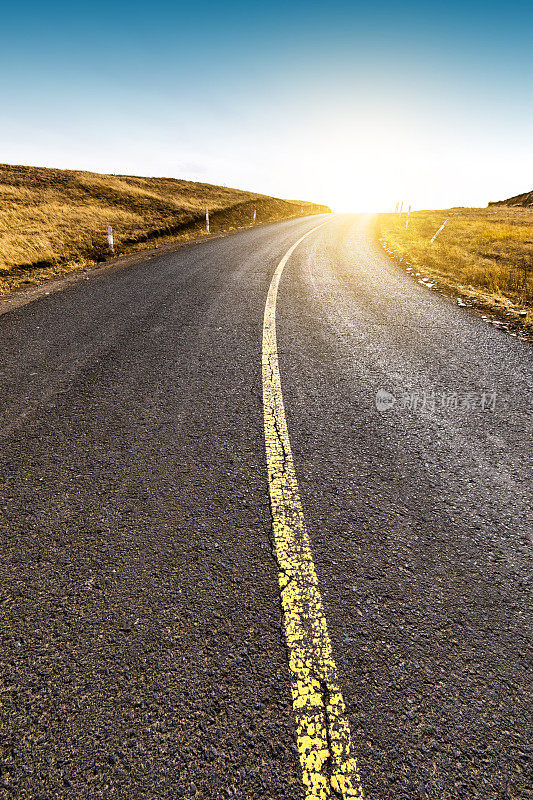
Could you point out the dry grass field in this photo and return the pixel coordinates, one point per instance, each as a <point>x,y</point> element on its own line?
<point>53,221</point>
<point>483,255</point>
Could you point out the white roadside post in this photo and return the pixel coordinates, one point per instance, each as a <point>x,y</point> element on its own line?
<point>110,238</point>
<point>255,215</point>
<point>408,215</point>
<point>207,220</point>
<point>439,230</point>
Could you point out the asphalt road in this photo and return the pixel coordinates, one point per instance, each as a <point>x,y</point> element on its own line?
<point>143,652</point>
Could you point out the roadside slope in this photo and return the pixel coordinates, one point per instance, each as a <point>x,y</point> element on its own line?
<point>525,200</point>
<point>53,221</point>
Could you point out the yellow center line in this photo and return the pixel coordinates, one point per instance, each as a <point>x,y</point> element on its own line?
<point>323,732</point>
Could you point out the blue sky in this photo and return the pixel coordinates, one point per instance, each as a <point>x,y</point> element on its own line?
<point>355,105</point>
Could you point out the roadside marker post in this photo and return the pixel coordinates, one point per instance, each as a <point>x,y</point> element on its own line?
<point>255,215</point>
<point>207,220</point>
<point>439,230</point>
<point>110,238</point>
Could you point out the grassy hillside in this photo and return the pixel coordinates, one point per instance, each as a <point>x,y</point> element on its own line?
<point>525,200</point>
<point>53,221</point>
<point>484,256</point>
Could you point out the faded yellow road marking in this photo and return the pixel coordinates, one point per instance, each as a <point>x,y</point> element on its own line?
<point>323,733</point>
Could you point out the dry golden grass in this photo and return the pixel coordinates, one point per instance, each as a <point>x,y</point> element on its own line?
<point>54,221</point>
<point>483,254</point>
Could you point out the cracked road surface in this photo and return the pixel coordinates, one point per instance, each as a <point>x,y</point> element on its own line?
<point>143,640</point>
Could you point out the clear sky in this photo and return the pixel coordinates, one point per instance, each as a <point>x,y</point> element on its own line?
<point>356,105</point>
